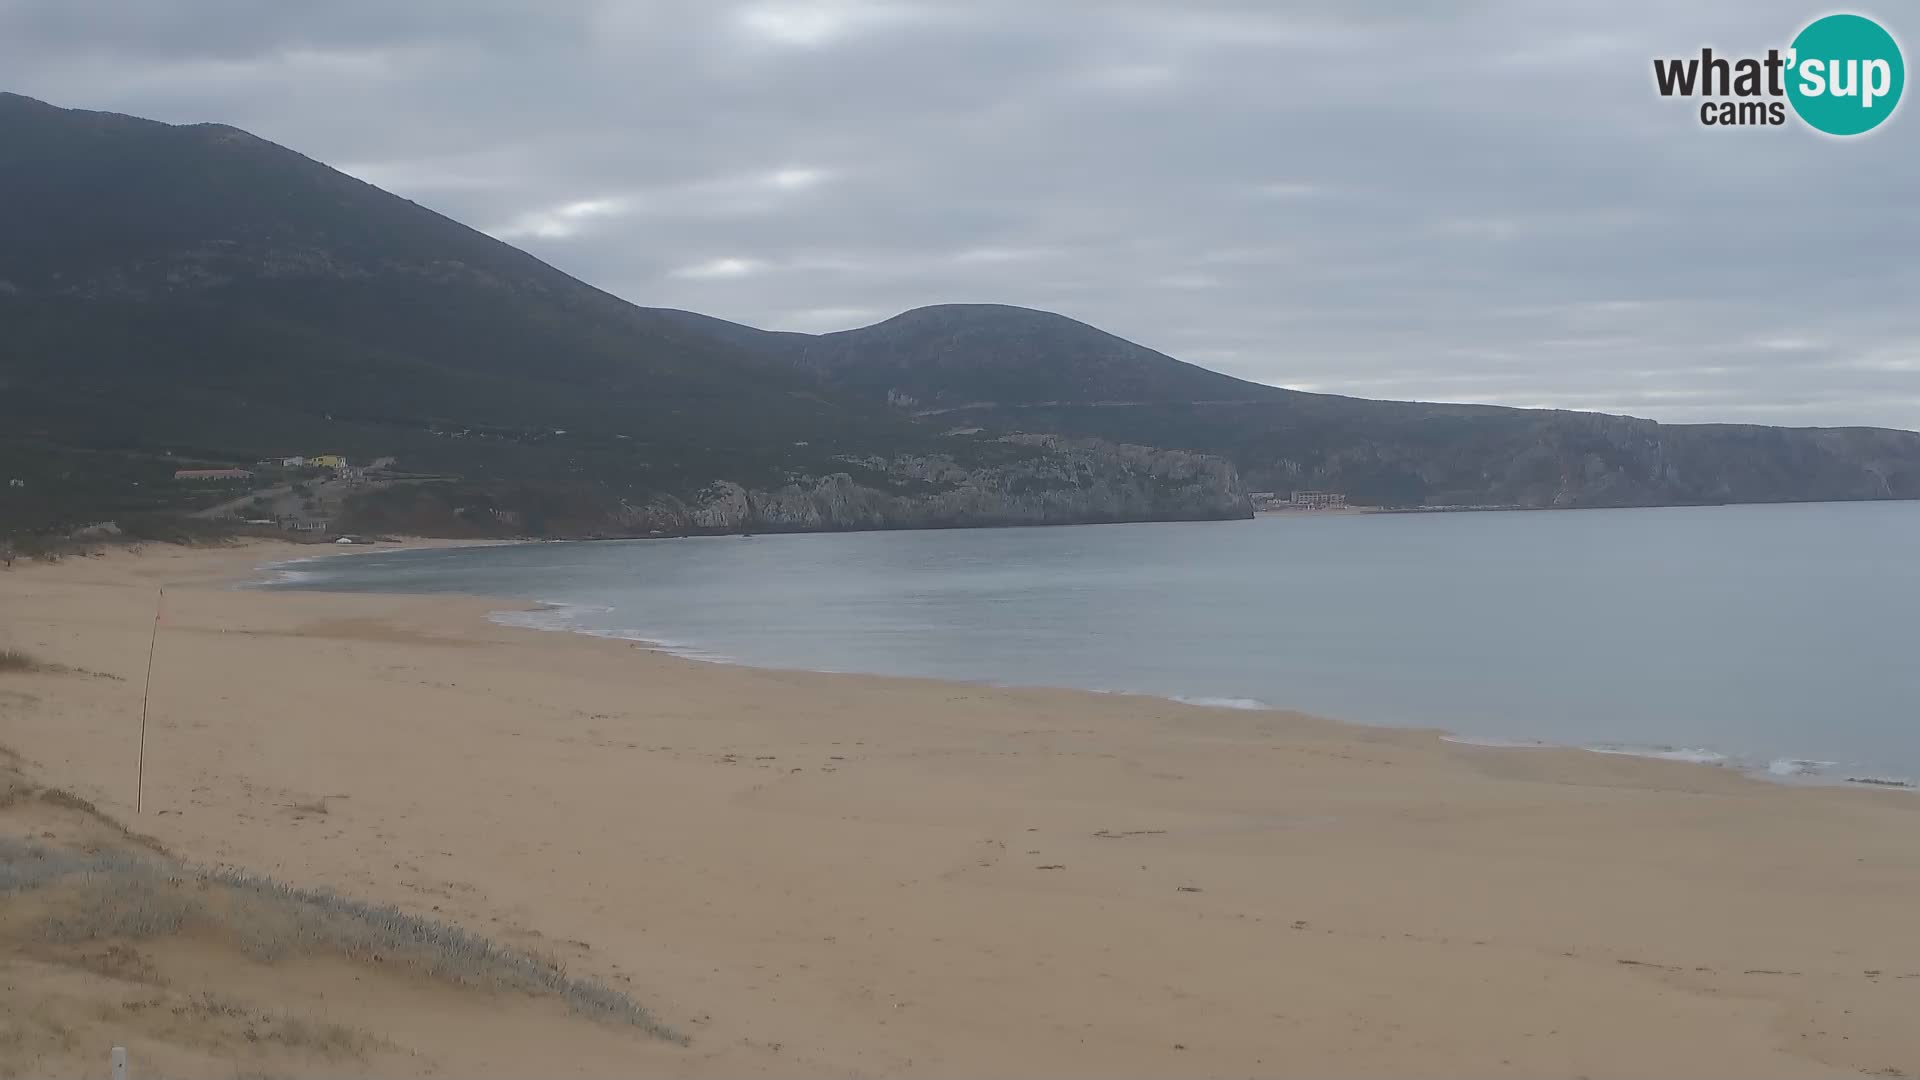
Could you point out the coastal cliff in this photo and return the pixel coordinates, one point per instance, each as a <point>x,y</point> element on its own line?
<point>1566,459</point>
<point>1068,481</point>
<point>1018,479</point>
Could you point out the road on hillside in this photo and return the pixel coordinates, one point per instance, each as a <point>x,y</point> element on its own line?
<point>226,509</point>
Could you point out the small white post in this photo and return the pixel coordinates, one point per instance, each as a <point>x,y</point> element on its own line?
<point>119,1063</point>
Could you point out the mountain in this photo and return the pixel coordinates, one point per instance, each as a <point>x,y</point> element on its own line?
<point>1007,367</point>
<point>975,355</point>
<point>175,295</point>
<point>222,272</point>
<point>191,296</point>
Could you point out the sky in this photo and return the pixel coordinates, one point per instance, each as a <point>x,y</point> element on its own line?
<point>1458,201</point>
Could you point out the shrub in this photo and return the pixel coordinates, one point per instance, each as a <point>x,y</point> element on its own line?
<point>15,660</point>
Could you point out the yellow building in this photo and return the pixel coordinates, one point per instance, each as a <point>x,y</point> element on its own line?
<point>327,461</point>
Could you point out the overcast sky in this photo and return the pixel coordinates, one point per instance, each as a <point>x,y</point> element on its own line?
<point>1468,201</point>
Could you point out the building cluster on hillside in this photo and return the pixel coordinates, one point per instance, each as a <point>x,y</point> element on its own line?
<point>1319,500</point>
<point>342,469</point>
<point>317,461</point>
<point>1298,500</point>
<point>288,494</point>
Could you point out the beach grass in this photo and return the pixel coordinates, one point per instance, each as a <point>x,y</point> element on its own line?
<point>321,1037</point>
<point>111,895</point>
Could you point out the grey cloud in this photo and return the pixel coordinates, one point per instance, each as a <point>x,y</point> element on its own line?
<point>1479,201</point>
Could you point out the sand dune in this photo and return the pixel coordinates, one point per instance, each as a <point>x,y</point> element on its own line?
<point>834,875</point>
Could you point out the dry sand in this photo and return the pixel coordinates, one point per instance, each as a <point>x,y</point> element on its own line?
<point>836,875</point>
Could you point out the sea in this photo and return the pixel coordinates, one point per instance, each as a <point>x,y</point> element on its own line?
<point>1783,640</point>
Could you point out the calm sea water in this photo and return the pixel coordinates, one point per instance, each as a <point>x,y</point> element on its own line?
<point>1777,638</point>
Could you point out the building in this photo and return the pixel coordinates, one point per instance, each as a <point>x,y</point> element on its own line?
<point>293,462</point>
<point>1319,500</point>
<point>213,474</point>
<point>327,461</point>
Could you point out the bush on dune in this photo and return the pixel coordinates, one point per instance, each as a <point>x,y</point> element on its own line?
<point>16,660</point>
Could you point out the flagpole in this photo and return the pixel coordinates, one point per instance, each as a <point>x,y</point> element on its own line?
<point>140,771</point>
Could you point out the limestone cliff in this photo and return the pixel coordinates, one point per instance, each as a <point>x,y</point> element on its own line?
<point>1055,481</point>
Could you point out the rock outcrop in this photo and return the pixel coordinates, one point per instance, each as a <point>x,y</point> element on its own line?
<point>1049,481</point>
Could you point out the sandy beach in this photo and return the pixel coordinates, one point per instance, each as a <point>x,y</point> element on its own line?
<point>832,875</point>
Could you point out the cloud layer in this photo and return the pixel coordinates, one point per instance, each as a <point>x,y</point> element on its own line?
<point>1465,201</point>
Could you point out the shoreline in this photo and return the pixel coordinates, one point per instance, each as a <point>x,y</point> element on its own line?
<point>1785,771</point>
<point>822,874</point>
<point>552,616</point>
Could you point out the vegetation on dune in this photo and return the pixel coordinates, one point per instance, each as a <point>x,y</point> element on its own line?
<point>115,888</point>
<point>125,896</point>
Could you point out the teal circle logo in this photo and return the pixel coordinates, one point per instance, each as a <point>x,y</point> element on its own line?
<point>1845,74</point>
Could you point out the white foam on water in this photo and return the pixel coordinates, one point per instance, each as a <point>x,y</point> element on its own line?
<point>1690,755</point>
<point>1783,770</point>
<point>1798,767</point>
<point>678,648</point>
<point>549,615</point>
<point>1786,770</point>
<point>1245,703</point>
<point>555,616</point>
<point>1497,743</point>
<point>284,572</point>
